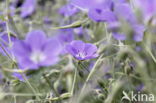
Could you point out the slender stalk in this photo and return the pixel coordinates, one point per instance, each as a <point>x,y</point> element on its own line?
<point>14,70</point>
<point>151,54</point>
<point>63,96</point>
<point>74,80</point>
<point>49,83</point>
<point>7,54</point>
<point>7,21</point>
<point>91,74</point>
<point>31,87</point>
<point>21,94</point>
<point>15,101</point>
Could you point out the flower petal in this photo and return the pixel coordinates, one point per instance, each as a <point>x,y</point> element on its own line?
<point>28,8</point>
<point>51,60</point>
<point>138,33</point>
<point>98,15</point>
<point>79,45</point>
<point>36,39</point>
<point>68,10</point>
<point>71,50</point>
<point>26,63</point>
<point>83,4</point>
<point>124,11</point>
<point>52,47</point>
<point>90,49</point>
<point>119,36</point>
<point>21,49</point>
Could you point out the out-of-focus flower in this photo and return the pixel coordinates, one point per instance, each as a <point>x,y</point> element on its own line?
<point>36,50</point>
<point>114,12</point>
<point>28,8</point>
<point>147,7</point>
<point>120,9</point>
<point>68,10</point>
<point>123,11</point>
<point>82,51</point>
<point>106,10</point>
<point>88,4</point>
<point>65,36</point>
<point>138,32</point>
<point>98,15</point>
<point>119,36</point>
<point>5,43</point>
<point>98,10</point>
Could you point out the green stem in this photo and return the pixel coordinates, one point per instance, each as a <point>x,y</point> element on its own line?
<point>21,94</point>
<point>49,83</point>
<point>151,54</point>
<point>74,80</point>
<point>31,87</point>
<point>15,101</point>
<point>7,54</point>
<point>7,21</point>
<point>91,73</point>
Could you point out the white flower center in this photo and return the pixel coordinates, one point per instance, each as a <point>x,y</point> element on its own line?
<point>37,57</point>
<point>81,54</point>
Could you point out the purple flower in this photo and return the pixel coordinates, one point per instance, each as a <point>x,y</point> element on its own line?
<point>120,9</point>
<point>36,50</point>
<point>105,10</point>
<point>65,36</point>
<point>98,10</point>
<point>138,33</point>
<point>148,8</point>
<point>28,8</point>
<point>88,4</point>
<point>98,15</point>
<point>68,10</point>
<point>119,36</point>
<point>123,11</point>
<point>82,51</point>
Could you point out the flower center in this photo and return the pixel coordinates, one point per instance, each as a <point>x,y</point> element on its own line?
<point>37,57</point>
<point>81,54</point>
